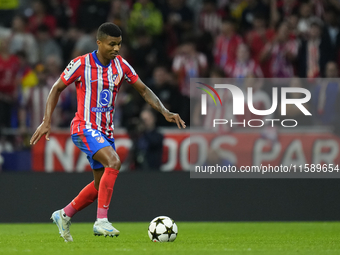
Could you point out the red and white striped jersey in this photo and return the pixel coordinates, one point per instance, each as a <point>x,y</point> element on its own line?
<point>239,69</point>
<point>97,87</point>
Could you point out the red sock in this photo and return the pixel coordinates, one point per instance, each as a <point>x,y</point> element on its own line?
<point>105,191</point>
<point>85,197</point>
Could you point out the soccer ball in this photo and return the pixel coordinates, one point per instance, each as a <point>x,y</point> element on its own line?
<point>162,229</point>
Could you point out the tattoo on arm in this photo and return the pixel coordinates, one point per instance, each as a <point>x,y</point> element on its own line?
<point>154,101</point>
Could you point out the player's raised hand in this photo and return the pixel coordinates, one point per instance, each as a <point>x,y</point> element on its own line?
<point>175,118</point>
<point>44,128</point>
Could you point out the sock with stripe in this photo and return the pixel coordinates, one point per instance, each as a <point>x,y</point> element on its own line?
<point>105,191</point>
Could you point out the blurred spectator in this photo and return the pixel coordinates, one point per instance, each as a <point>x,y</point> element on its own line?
<point>85,44</point>
<point>20,39</point>
<point>331,28</point>
<point>292,111</point>
<point>146,54</point>
<point>255,7</point>
<point>122,100</point>
<point>280,53</point>
<point>226,44</point>
<point>119,14</point>
<point>244,65</point>
<point>25,7</point>
<point>73,9</point>
<point>260,99</point>
<point>67,104</point>
<point>216,72</point>
<point>46,45</point>
<point>53,65</point>
<point>67,42</point>
<point>188,63</point>
<point>285,9</point>
<point>9,65</point>
<point>292,22</point>
<point>32,107</point>
<point>332,4</point>
<point>145,16</point>
<point>319,7</point>
<point>332,70</point>
<point>62,13</point>
<point>195,6</point>
<point>330,39</point>
<point>91,14</point>
<point>148,147</point>
<point>305,18</point>
<point>7,11</point>
<point>257,39</point>
<point>178,16</point>
<point>27,80</point>
<point>178,21</point>
<point>130,104</point>
<point>325,96</point>
<point>309,53</point>
<point>210,19</point>
<point>162,86</point>
<point>41,17</point>
<point>26,75</point>
<point>235,8</point>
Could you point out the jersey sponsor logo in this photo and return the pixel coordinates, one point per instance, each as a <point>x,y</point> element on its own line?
<point>102,109</point>
<point>93,80</point>
<point>105,96</point>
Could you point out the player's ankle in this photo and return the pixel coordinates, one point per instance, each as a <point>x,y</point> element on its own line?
<point>64,215</point>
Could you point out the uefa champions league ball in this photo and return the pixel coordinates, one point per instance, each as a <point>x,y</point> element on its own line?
<point>162,229</point>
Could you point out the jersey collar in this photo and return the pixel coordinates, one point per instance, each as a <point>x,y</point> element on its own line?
<point>94,55</point>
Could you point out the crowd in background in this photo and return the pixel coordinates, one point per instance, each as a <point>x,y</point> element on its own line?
<point>168,42</point>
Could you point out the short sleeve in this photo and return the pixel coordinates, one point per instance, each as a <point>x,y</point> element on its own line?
<point>72,72</point>
<point>129,73</point>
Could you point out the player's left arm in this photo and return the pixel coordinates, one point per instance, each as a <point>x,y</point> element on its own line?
<point>154,101</point>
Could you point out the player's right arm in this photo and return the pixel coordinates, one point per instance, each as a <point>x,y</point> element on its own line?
<point>52,100</point>
<point>72,72</point>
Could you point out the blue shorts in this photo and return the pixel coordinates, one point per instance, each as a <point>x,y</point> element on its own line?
<point>91,141</point>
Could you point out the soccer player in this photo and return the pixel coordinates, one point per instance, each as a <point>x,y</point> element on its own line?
<point>97,77</point>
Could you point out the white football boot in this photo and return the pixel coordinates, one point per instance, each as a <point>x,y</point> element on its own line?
<point>63,224</point>
<point>105,228</point>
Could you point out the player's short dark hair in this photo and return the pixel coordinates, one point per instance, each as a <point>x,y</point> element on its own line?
<point>108,29</point>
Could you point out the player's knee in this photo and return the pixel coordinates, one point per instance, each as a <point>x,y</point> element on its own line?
<point>114,163</point>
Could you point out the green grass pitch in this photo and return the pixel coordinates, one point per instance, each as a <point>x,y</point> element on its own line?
<point>193,238</point>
